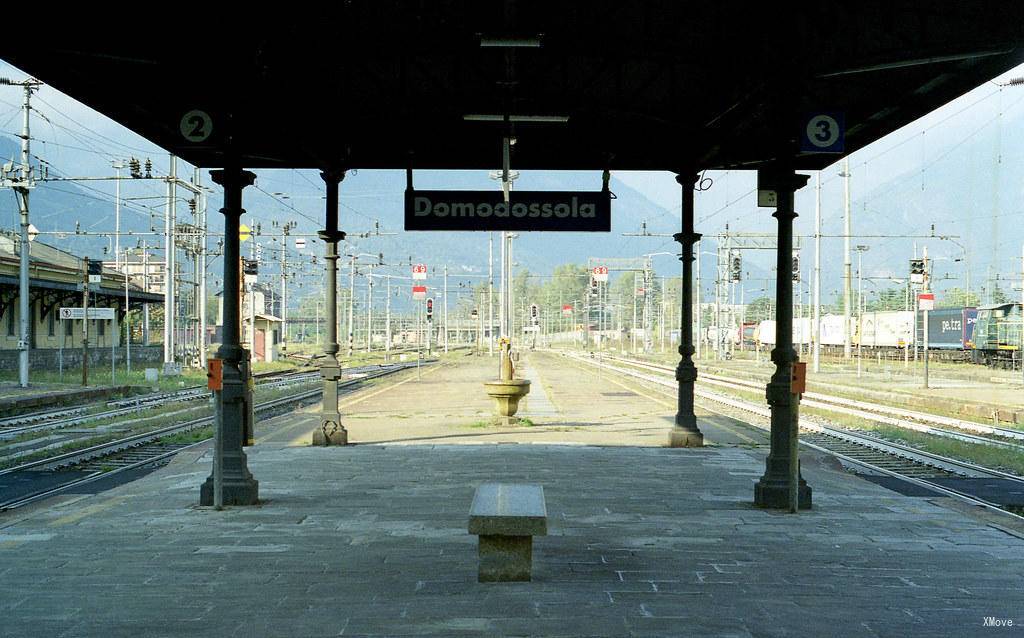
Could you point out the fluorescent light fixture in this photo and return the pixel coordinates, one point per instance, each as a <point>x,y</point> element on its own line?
<point>487,117</point>
<point>510,43</point>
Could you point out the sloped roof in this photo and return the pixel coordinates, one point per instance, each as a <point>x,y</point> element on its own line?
<point>644,85</point>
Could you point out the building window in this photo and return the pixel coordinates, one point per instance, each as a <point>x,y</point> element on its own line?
<point>69,327</point>
<point>50,327</point>
<point>10,321</point>
<point>101,327</point>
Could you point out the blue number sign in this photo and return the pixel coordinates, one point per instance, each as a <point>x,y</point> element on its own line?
<point>823,133</point>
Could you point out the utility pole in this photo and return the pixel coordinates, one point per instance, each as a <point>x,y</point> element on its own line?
<point>369,308</point>
<point>699,297</point>
<point>252,299</point>
<point>145,288</point>
<point>21,185</point>
<point>202,260</point>
<point>633,326</point>
<point>648,307</point>
<point>502,292</point>
<point>446,309</point>
<point>85,322</point>
<point>387,320</point>
<point>490,294</point>
<point>127,327</point>
<point>511,289</point>
<point>847,266</point>
<point>816,356</point>
<point>286,229</point>
<point>351,298</point>
<point>169,265</point>
<point>118,165</point>
<point>926,288</point>
<point>860,303</point>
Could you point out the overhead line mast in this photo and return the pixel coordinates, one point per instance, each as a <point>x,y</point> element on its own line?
<point>21,184</point>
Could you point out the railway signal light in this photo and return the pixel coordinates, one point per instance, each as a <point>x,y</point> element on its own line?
<point>534,314</point>
<point>430,309</point>
<point>796,266</point>
<point>917,271</point>
<point>736,267</point>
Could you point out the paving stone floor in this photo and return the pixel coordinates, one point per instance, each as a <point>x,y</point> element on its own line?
<point>371,540</point>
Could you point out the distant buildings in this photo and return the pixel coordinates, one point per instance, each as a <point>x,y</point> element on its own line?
<point>258,312</point>
<point>55,281</point>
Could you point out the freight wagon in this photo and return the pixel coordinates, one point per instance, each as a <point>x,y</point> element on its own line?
<point>886,329</point>
<point>765,332</point>
<point>832,335</point>
<point>951,329</point>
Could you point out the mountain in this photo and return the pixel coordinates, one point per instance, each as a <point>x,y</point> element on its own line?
<point>58,206</point>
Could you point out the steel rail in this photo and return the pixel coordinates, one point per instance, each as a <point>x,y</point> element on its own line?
<point>889,415</point>
<point>910,455</point>
<point>114,447</point>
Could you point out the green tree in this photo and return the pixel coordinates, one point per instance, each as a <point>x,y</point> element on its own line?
<point>957,298</point>
<point>760,309</point>
<point>998,295</point>
<point>887,299</point>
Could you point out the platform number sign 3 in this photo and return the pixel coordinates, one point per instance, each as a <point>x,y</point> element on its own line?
<point>823,133</point>
<point>196,126</point>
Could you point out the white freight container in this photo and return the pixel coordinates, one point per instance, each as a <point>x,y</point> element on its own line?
<point>832,330</point>
<point>765,333</point>
<point>887,329</point>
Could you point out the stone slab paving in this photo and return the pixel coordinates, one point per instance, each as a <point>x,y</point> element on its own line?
<point>372,540</point>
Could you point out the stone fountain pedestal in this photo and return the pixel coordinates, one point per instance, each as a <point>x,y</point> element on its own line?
<point>506,390</point>
<point>506,394</point>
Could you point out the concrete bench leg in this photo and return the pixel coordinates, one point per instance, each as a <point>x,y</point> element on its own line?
<point>505,558</point>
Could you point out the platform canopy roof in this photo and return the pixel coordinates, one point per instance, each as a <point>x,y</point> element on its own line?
<point>643,85</point>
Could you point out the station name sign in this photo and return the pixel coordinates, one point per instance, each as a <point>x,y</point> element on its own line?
<point>574,211</point>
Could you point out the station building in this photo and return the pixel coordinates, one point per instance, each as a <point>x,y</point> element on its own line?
<point>55,280</point>
<point>260,311</point>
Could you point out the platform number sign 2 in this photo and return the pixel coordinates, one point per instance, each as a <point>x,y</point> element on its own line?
<point>196,126</point>
<point>823,133</point>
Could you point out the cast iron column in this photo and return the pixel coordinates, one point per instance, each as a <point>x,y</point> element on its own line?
<point>685,432</point>
<point>238,484</point>
<point>331,431</point>
<point>783,465</point>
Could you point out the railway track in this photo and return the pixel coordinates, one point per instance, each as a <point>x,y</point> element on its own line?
<point>877,456</point>
<point>967,431</point>
<point>73,417</point>
<point>140,450</point>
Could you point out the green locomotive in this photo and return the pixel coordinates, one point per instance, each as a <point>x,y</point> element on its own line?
<point>997,335</point>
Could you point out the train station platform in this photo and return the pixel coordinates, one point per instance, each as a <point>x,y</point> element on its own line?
<point>371,539</point>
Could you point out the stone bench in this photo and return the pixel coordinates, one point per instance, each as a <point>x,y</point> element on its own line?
<point>506,517</point>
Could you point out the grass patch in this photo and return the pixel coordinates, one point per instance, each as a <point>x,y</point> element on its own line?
<point>192,436</point>
<point>496,423</point>
<point>997,458</point>
<point>1005,459</point>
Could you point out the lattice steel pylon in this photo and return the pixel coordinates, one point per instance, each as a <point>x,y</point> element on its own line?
<point>730,244</point>
<point>633,264</point>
